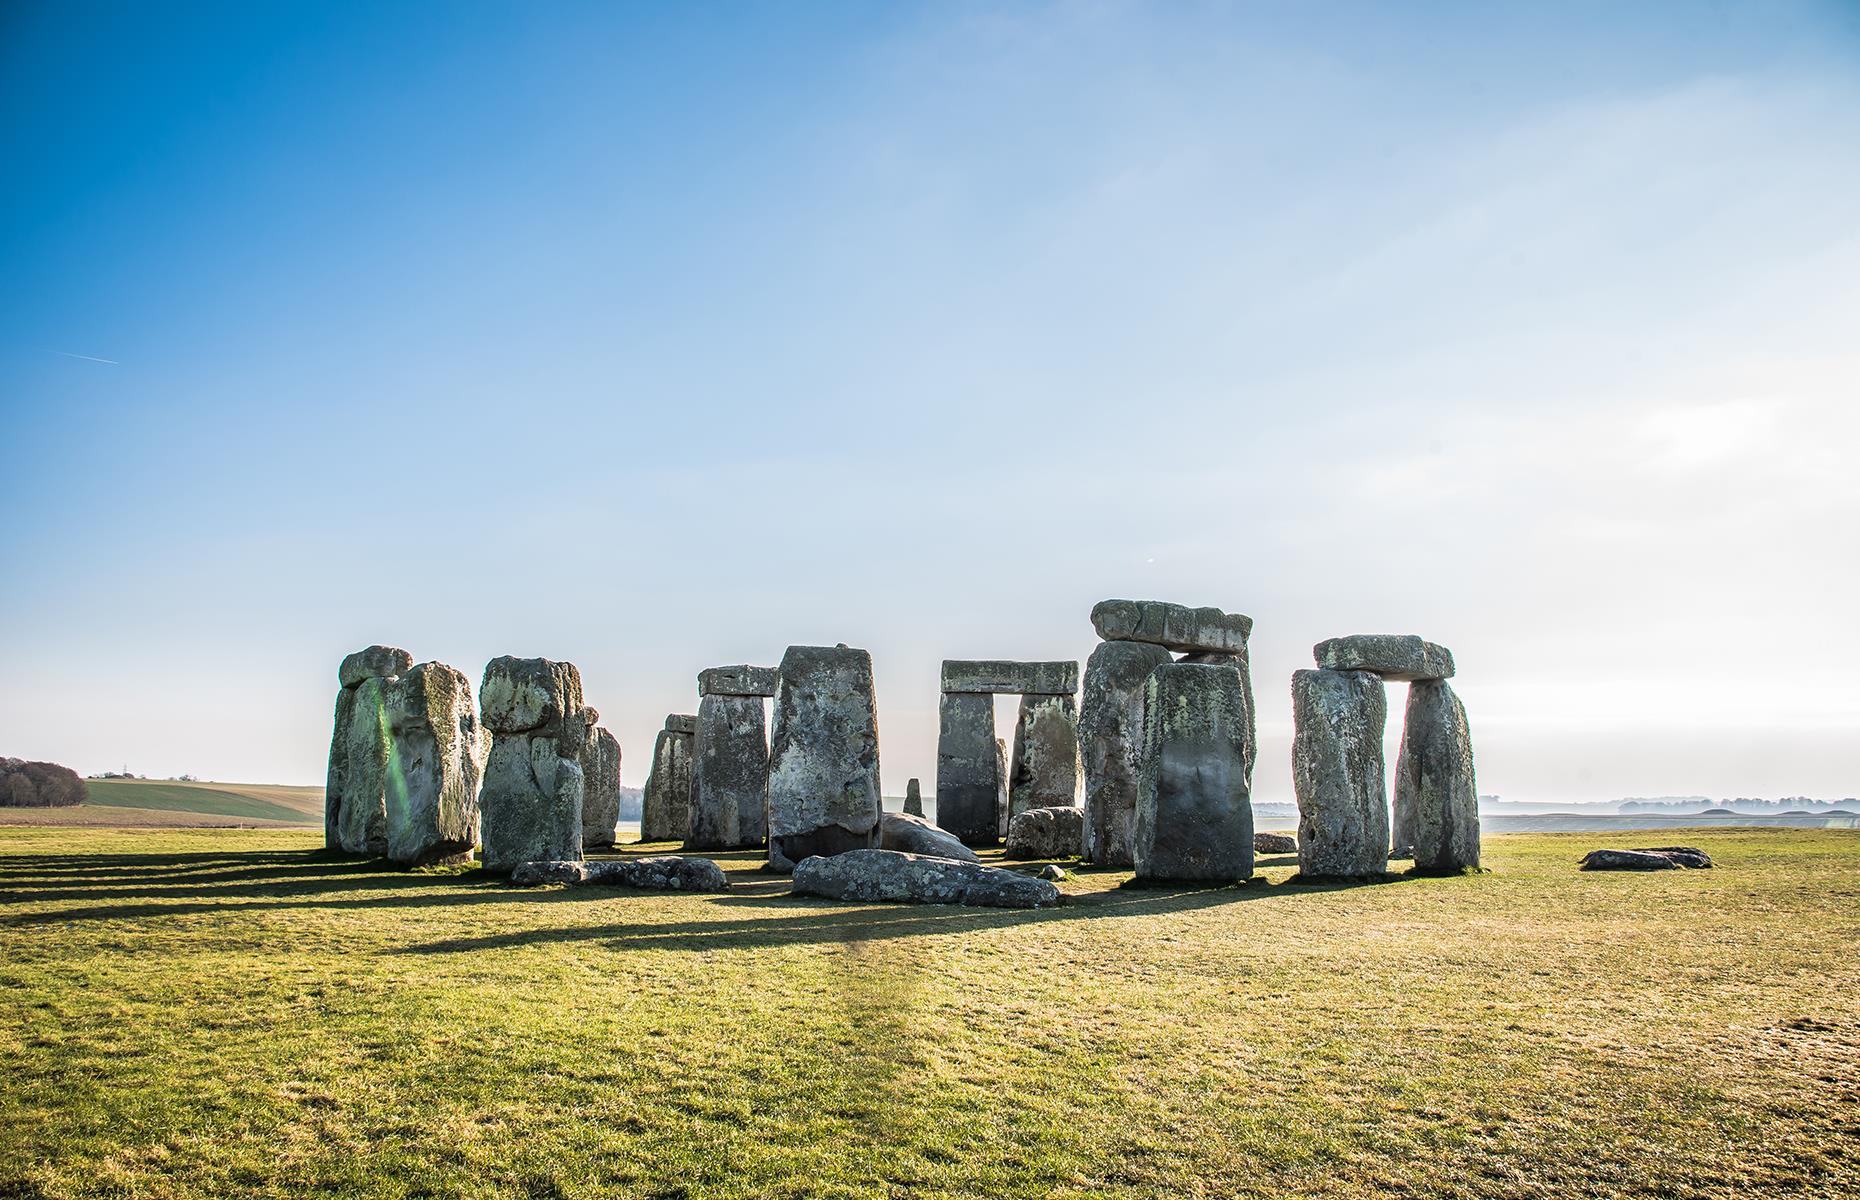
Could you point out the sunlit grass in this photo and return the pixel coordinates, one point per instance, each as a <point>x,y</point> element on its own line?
<point>234,1013</point>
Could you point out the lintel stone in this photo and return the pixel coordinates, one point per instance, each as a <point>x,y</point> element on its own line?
<point>1010,678</point>
<point>1397,657</point>
<point>1174,626</point>
<point>739,680</point>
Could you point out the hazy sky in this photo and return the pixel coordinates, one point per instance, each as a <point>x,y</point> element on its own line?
<point>654,339</point>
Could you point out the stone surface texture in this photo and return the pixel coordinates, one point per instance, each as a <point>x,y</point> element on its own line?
<point>1397,657</point>
<point>1337,773</point>
<point>1242,662</point>
<point>1046,772</point>
<point>914,835</point>
<point>1654,858</point>
<point>1436,799</point>
<point>824,793</point>
<point>600,788</point>
<point>1194,804</point>
<point>1174,626</point>
<point>665,805</point>
<point>434,767</point>
<point>1001,787</point>
<point>729,774</point>
<point>531,801</point>
<point>739,680</point>
<point>663,873</point>
<point>1001,676</point>
<point>359,810</point>
<point>1046,833</point>
<point>1111,745</point>
<point>376,662</point>
<point>1274,843</point>
<point>888,875</point>
<point>914,798</point>
<point>968,783</point>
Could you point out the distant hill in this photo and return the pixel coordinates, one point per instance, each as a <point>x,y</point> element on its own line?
<point>257,802</point>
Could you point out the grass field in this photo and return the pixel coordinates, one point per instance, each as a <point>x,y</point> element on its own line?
<point>236,1013</point>
<point>125,802</point>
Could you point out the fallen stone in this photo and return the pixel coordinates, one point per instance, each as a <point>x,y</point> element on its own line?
<point>1337,773</point>
<point>1685,856</point>
<point>968,788</point>
<point>600,787</point>
<point>663,873</point>
<point>738,681</point>
<point>681,723</point>
<point>523,694</point>
<point>1393,656</point>
<point>914,835</point>
<point>376,662</point>
<point>1051,871</point>
<point>729,774</point>
<point>824,795</point>
<point>1173,626</point>
<point>1274,843</point>
<point>888,875</point>
<point>913,798</point>
<point>1436,800</point>
<point>1194,806</point>
<point>999,676</point>
<point>1046,772</point>
<point>1046,833</point>
<point>437,756</point>
<point>1111,746</point>
<point>1627,860</point>
<point>665,805</point>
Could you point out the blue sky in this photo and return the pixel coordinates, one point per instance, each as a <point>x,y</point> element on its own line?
<point>655,338</point>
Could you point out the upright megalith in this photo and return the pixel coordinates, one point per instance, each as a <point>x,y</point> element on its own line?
<point>1337,774</point>
<point>1194,803</point>
<point>355,788</point>
<point>1240,661</point>
<point>730,760</point>
<point>600,787</point>
<point>533,786</point>
<point>1045,772</point>
<point>824,795</point>
<point>435,762</point>
<point>1111,745</point>
<point>968,783</point>
<point>1436,799</point>
<point>913,798</point>
<point>665,808</point>
<point>1001,787</point>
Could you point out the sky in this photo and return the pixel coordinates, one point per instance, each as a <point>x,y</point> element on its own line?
<point>655,338</point>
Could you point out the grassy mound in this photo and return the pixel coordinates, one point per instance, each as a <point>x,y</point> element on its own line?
<point>258,802</point>
<point>238,1013</point>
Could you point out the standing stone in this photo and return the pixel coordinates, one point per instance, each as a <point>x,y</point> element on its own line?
<point>913,799</point>
<point>824,795</point>
<point>436,761</point>
<point>1001,787</point>
<point>665,807</point>
<point>729,774</point>
<point>355,802</point>
<point>600,787</point>
<point>1111,745</point>
<point>968,786</point>
<point>1436,800</point>
<point>1343,814</point>
<point>1238,660</point>
<point>1194,804</point>
<point>1046,770</point>
<point>533,786</point>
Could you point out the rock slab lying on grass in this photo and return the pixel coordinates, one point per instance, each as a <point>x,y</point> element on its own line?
<point>1393,656</point>
<point>1111,745</point>
<point>914,835</point>
<point>824,795</point>
<point>1274,843</point>
<point>1436,800</point>
<point>1194,805</point>
<point>1057,832</point>
<point>1337,773</point>
<point>887,875</point>
<point>968,783</point>
<point>662,873</point>
<point>1175,626</point>
<point>1667,858</point>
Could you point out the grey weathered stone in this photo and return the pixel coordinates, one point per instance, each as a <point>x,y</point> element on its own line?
<point>1685,856</point>
<point>376,662</point>
<point>1240,661</point>
<point>600,788</point>
<point>436,762</point>
<point>1436,799</point>
<point>335,779</point>
<point>729,774</point>
<point>1045,772</point>
<point>665,805</point>
<point>1046,833</point>
<point>1274,843</point>
<point>1627,860</point>
<point>1111,745</point>
<point>824,795</point>
<point>1337,772</point>
<point>663,873</point>
<point>1000,676</point>
<point>739,680</point>
<point>361,809</point>
<point>888,875</point>
<point>681,723</point>
<point>1050,871</point>
<point>914,835</point>
<point>914,798</point>
<point>1001,787</point>
<point>1393,656</point>
<point>1175,626</point>
<point>522,694</point>
<point>1194,805</point>
<point>968,786</point>
<point>531,800</point>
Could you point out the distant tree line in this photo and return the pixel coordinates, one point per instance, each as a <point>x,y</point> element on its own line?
<point>39,785</point>
<point>1742,804</point>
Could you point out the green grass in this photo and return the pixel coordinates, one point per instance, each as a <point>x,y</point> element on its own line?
<point>213,800</point>
<point>189,1013</point>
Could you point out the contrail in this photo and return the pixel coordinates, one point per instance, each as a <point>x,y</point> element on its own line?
<point>88,358</point>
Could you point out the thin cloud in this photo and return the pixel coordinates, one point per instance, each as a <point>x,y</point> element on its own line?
<point>87,357</point>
